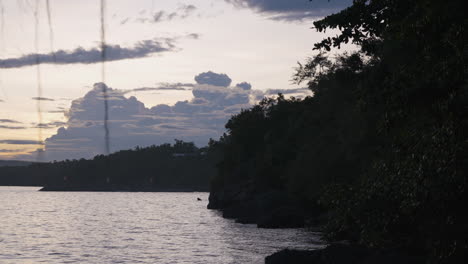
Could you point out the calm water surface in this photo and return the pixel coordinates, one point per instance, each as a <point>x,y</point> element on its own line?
<point>60,227</point>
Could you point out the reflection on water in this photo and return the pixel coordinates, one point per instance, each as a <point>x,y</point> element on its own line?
<point>59,227</point>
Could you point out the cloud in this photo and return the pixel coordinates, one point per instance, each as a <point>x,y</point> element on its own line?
<point>80,55</point>
<point>214,79</point>
<point>42,99</point>
<point>58,110</point>
<point>292,10</point>
<point>165,86</point>
<point>132,124</point>
<point>9,121</point>
<point>10,150</point>
<point>49,125</point>
<point>42,125</point>
<point>244,85</point>
<point>186,10</point>
<point>193,36</point>
<point>12,127</point>
<point>124,21</point>
<point>182,12</point>
<point>21,142</point>
<point>221,96</point>
<point>304,91</point>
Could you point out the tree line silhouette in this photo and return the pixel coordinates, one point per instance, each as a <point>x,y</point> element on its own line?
<point>378,155</point>
<point>180,167</point>
<point>380,151</point>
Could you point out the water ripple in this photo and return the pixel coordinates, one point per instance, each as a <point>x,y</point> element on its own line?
<point>59,227</point>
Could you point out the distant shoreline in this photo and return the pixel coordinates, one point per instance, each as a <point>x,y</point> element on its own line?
<point>120,189</point>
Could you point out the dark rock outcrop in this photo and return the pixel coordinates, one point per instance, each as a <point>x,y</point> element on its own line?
<point>267,209</point>
<point>283,217</point>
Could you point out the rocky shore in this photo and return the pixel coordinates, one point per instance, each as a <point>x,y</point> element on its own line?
<point>277,209</point>
<point>267,209</point>
<point>347,254</point>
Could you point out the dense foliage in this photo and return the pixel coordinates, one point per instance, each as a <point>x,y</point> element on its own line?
<point>382,144</point>
<point>178,166</point>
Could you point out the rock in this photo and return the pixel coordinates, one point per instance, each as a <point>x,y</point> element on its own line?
<point>283,217</point>
<point>247,209</point>
<point>292,256</point>
<point>247,220</point>
<point>268,209</point>
<point>333,254</point>
<point>228,196</point>
<point>213,201</point>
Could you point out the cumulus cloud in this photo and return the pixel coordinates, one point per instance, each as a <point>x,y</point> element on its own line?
<point>214,79</point>
<point>221,96</point>
<point>132,124</point>
<point>292,10</point>
<point>244,85</point>
<point>80,55</point>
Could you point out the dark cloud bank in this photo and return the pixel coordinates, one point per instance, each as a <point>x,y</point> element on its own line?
<point>132,124</point>
<point>293,10</point>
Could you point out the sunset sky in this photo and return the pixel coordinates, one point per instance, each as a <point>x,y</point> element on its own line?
<point>240,51</point>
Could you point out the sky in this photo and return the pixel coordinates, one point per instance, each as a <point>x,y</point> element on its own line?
<point>175,69</point>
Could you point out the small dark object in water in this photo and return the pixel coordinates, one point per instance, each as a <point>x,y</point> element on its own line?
<point>199,199</point>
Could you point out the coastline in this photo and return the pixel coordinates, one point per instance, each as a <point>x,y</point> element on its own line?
<point>120,189</point>
<point>343,253</point>
<point>275,209</point>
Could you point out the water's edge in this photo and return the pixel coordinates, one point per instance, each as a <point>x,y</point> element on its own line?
<point>120,189</point>
<point>344,253</point>
<point>131,227</point>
